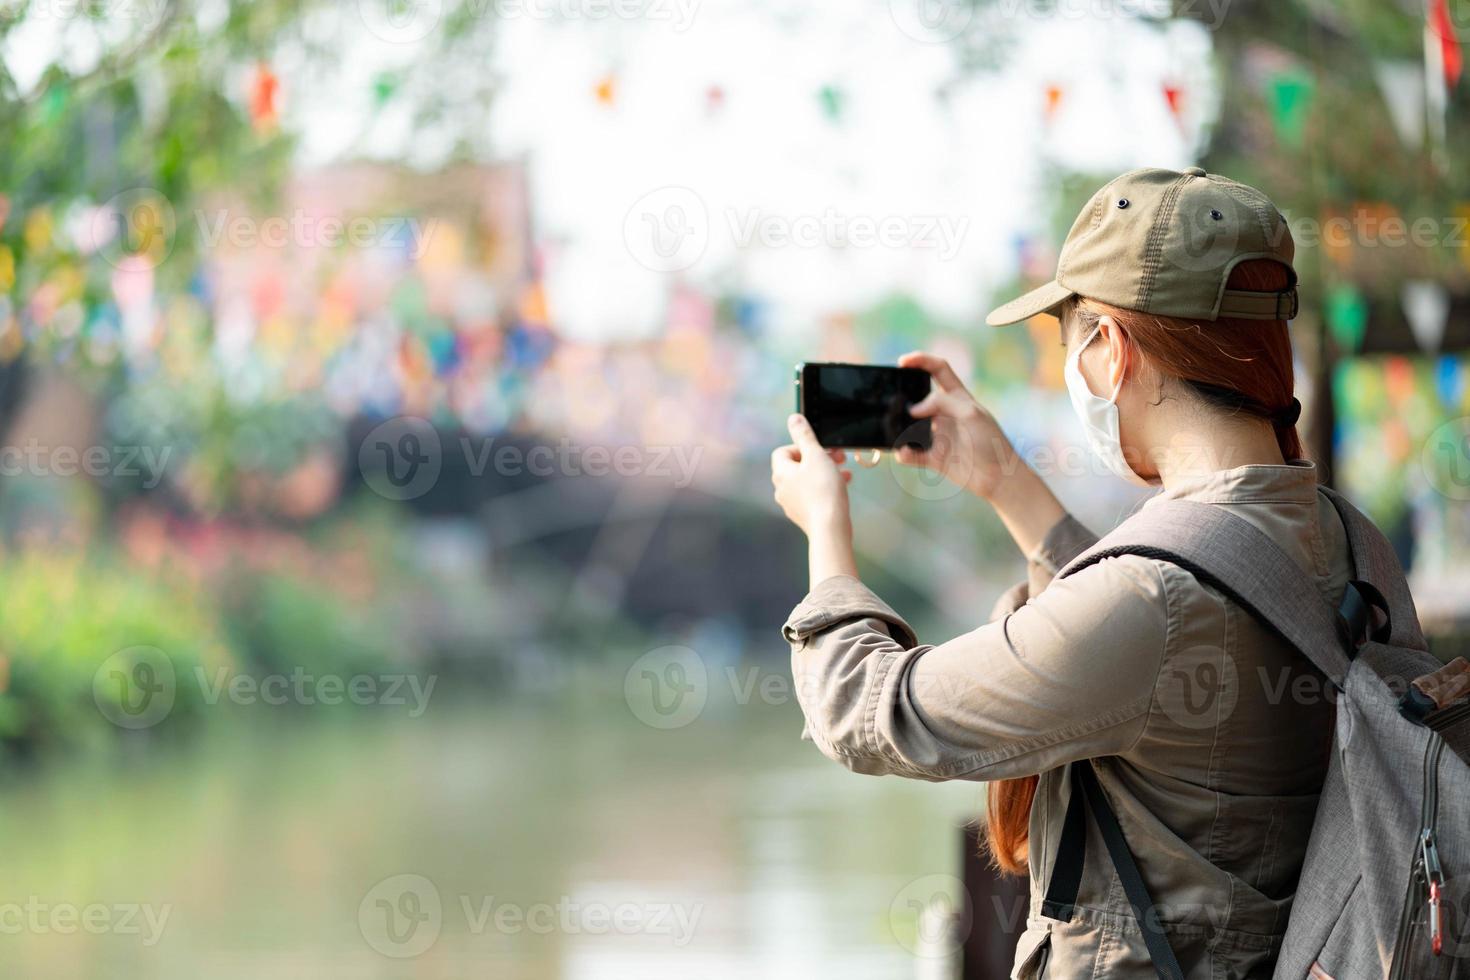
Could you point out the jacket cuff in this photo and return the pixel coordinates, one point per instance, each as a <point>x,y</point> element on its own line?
<point>1066,540</point>
<point>1010,600</point>
<point>838,600</point>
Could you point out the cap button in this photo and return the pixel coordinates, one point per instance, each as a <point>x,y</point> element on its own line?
<point>1194,171</point>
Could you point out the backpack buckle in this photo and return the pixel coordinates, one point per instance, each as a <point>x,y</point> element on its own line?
<point>1362,616</point>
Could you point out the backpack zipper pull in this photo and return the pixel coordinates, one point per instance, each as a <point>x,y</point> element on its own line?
<point>1434,877</point>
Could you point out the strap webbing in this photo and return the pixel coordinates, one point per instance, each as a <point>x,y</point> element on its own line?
<point>1066,875</point>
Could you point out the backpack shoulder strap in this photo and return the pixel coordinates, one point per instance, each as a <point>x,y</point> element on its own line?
<point>1066,878</point>
<point>1234,556</point>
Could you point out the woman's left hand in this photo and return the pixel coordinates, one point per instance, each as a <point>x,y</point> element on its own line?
<point>811,488</point>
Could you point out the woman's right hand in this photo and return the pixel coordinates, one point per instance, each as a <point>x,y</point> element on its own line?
<point>968,449</point>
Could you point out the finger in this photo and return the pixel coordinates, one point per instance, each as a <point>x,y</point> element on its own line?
<point>803,435</point>
<point>783,460</point>
<point>937,367</point>
<point>847,476</point>
<point>838,456</point>
<point>911,456</point>
<point>926,406</point>
<point>939,403</point>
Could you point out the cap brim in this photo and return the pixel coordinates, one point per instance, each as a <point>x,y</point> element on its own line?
<point>1043,299</point>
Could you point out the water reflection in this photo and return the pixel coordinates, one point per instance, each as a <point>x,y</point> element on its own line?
<point>560,841</point>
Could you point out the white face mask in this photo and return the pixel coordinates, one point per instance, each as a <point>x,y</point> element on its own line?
<point>1099,416</point>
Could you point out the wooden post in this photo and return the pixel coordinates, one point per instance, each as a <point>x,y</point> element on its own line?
<point>997,911</point>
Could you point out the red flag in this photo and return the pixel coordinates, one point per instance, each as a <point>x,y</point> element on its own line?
<point>1174,95</point>
<point>264,90</point>
<point>1449,41</point>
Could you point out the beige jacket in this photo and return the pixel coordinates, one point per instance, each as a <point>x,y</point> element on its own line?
<point>1212,734</point>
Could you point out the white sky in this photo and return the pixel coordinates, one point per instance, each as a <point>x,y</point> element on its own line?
<point>955,182</point>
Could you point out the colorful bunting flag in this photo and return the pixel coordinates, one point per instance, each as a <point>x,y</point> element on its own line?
<point>607,89</point>
<point>1347,317</point>
<point>385,86</point>
<point>264,90</point>
<point>1053,102</point>
<point>1449,381</point>
<point>832,101</point>
<point>1290,93</point>
<point>1462,212</point>
<point>1398,378</point>
<point>1402,84</point>
<point>1174,97</point>
<point>1427,308</point>
<point>1442,27</point>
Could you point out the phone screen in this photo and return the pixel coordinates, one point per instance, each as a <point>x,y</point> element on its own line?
<point>863,406</point>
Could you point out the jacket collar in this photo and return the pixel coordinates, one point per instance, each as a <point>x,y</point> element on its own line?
<point>1293,482</point>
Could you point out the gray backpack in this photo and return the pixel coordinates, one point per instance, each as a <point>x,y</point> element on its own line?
<point>1385,887</point>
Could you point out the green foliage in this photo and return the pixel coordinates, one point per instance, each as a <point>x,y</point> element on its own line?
<point>64,617</point>
<point>280,623</point>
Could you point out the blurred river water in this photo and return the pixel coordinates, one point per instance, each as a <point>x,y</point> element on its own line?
<point>535,840</point>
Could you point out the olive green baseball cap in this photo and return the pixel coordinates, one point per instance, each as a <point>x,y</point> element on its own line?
<point>1165,242</point>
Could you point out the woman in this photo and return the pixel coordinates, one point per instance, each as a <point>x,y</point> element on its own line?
<point>1172,291</point>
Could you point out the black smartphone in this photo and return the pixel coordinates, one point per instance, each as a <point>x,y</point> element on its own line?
<point>863,406</point>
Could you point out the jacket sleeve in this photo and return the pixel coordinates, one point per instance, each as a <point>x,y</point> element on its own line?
<point>1069,675</point>
<point>1066,540</point>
